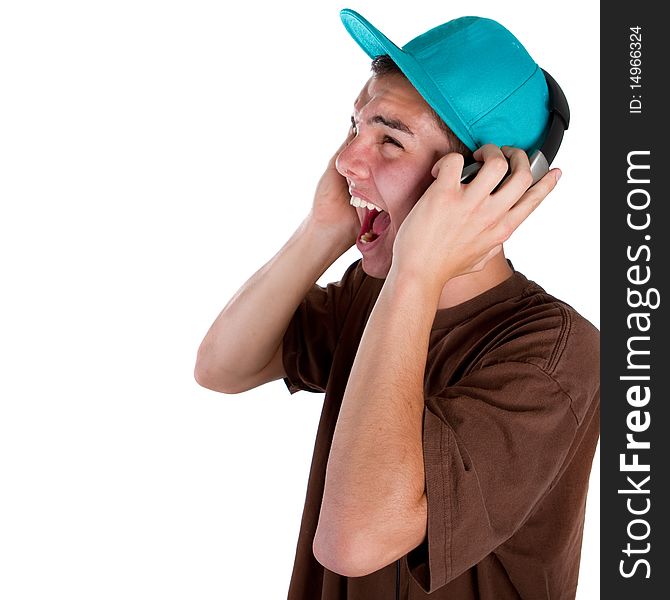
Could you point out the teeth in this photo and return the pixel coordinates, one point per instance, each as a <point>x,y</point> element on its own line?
<point>356,201</point>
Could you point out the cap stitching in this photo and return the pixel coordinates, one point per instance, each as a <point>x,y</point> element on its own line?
<point>447,96</point>
<point>516,89</point>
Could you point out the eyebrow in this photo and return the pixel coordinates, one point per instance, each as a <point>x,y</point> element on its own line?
<point>396,124</point>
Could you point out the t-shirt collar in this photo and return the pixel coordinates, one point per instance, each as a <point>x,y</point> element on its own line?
<point>452,316</point>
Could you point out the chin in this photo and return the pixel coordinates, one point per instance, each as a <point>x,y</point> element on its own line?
<point>374,269</point>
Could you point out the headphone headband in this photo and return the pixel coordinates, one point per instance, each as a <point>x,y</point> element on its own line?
<point>559,119</point>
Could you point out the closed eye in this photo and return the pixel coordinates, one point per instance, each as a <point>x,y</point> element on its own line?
<point>390,140</point>
<point>387,139</point>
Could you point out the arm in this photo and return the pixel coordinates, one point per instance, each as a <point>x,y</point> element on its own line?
<point>374,507</point>
<point>243,347</point>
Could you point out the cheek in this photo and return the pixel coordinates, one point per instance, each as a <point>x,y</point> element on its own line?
<point>397,180</point>
<point>426,181</point>
<point>402,186</point>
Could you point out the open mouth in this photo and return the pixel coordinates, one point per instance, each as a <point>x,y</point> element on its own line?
<point>374,224</point>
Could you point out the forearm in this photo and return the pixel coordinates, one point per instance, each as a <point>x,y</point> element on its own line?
<point>375,475</point>
<point>247,333</point>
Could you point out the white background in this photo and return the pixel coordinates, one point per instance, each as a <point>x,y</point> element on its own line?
<point>153,155</point>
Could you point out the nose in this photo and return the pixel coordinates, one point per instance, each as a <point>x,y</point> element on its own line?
<point>352,162</point>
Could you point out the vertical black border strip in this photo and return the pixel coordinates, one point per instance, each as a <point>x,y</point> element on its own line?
<point>635,336</point>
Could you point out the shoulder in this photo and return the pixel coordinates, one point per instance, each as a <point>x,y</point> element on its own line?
<point>550,334</point>
<point>551,330</point>
<point>576,364</point>
<point>567,335</point>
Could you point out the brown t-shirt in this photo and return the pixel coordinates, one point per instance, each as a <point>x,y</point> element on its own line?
<point>511,423</point>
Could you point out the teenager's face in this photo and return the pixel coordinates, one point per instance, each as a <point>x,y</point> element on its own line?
<point>388,162</point>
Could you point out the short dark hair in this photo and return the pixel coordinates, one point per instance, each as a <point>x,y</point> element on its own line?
<point>385,65</point>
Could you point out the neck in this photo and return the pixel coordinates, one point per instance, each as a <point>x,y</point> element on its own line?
<point>463,288</point>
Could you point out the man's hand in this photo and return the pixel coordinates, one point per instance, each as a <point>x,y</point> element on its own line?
<point>331,208</point>
<point>244,346</point>
<point>457,228</point>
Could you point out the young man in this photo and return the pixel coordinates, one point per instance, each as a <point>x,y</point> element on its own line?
<point>461,403</point>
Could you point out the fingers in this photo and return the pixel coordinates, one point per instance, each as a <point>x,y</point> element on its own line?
<point>494,168</point>
<point>528,203</point>
<point>515,199</point>
<point>519,166</point>
<point>449,168</point>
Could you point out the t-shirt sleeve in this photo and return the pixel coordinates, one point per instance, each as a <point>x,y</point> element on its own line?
<point>311,337</point>
<point>492,444</point>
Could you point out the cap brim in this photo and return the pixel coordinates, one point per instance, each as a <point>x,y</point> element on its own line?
<point>367,36</point>
<point>374,43</point>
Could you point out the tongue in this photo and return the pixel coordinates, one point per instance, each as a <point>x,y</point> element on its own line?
<point>381,222</point>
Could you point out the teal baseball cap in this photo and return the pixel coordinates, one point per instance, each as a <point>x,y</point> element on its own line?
<point>474,73</point>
